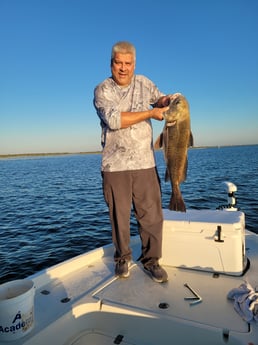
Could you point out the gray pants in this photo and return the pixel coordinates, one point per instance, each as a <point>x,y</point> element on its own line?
<point>140,188</point>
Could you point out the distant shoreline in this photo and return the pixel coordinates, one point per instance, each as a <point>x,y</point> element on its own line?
<point>21,155</point>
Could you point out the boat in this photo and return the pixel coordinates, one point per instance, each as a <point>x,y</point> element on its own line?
<point>211,259</point>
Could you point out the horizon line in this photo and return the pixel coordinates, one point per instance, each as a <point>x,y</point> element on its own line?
<point>13,155</point>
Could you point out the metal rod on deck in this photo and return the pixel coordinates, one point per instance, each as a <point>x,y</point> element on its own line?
<point>196,299</point>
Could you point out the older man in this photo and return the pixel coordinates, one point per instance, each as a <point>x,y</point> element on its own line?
<point>130,178</point>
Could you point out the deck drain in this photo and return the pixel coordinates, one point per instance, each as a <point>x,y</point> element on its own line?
<point>163,305</point>
<point>45,292</point>
<point>118,339</point>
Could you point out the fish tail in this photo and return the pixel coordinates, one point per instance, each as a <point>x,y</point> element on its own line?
<point>177,203</point>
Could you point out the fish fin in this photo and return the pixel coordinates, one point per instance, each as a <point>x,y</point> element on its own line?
<point>191,140</point>
<point>177,202</point>
<point>159,142</point>
<point>177,205</point>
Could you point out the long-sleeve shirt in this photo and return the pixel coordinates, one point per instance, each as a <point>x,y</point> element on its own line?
<point>128,148</point>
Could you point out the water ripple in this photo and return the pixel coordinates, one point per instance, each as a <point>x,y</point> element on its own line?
<point>52,208</point>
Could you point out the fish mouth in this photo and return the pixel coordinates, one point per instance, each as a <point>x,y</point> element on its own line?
<point>170,124</point>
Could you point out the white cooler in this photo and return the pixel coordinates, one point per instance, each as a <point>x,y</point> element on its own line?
<point>208,240</point>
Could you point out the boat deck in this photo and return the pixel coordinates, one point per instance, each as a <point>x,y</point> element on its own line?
<point>81,302</point>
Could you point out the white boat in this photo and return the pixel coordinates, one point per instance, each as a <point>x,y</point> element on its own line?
<point>206,253</point>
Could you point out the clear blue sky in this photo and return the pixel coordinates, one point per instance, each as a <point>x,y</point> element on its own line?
<point>54,52</point>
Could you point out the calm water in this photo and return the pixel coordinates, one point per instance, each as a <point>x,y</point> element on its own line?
<point>52,208</point>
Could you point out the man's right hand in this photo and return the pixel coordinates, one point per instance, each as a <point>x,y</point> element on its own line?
<point>157,113</point>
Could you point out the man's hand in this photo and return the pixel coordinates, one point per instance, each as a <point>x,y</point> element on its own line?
<point>157,113</point>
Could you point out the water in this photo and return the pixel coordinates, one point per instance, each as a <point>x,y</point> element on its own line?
<point>52,208</point>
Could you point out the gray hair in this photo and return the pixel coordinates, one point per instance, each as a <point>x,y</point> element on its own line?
<point>123,47</point>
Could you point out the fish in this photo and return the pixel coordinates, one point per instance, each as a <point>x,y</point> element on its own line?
<point>175,140</point>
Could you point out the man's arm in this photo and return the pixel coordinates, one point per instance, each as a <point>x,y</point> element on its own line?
<point>130,118</point>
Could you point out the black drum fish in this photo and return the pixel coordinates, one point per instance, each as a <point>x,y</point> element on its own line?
<point>175,140</point>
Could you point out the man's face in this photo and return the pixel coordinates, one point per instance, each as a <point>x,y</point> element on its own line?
<point>122,68</point>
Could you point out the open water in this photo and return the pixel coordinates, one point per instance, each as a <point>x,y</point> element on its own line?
<point>52,207</point>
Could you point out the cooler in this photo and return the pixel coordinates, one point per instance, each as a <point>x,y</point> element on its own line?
<point>208,240</point>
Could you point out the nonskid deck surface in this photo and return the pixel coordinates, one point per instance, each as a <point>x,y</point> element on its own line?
<point>84,294</point>
<point>150,307</point>
<point>144,304</point>
<point>140,293</point>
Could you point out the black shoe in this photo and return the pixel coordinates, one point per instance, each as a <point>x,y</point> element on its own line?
<point>157,273</point>
<point>121,269</point>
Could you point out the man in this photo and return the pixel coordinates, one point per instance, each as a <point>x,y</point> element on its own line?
<point>122,102</point>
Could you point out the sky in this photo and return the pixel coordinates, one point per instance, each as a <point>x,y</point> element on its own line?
<point>54,53</point>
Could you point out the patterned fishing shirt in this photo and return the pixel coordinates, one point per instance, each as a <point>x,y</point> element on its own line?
<point>128,148</point>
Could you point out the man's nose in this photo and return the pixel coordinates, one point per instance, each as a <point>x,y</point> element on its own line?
<point>123,66</point>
